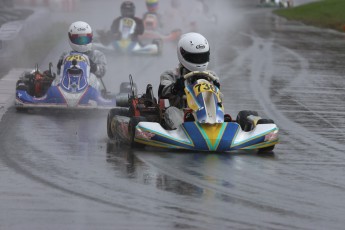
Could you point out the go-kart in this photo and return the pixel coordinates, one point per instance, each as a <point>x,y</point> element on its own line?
<point>275,4</point>
<point>76,88</point>
<point>152,31</point>
<point>140,121</point>
<point>123,43</point>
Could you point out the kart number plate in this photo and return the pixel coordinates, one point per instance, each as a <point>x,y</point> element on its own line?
<point>128,22</point>
<point>204,87</point>
<point>75,57</point>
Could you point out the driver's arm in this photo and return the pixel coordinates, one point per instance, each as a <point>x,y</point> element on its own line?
<point>115,26</point>
<point>167,81</point>
<point>100,60</point>
<point>60,62</point>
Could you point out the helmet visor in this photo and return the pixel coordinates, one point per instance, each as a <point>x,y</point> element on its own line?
<point>196,58</point>
<point>80,39</point>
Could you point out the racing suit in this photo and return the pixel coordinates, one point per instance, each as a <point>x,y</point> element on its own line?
<point>172,87</point>
<point>139,28</point>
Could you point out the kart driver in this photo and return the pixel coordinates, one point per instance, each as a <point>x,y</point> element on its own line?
<point>80,39</point>
<point>127,11</point>
<point>152,8</point>
<point>193,53</point>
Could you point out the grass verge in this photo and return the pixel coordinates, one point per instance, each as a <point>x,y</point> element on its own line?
<point>324,14</point>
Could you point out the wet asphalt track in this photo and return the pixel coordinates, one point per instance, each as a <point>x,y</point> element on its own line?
<point>59,171</point>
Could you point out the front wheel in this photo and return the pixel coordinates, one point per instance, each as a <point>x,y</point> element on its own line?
<point>22,85</point>
<point>270,148</point>
<point>266,150</point>
<point>243,121</point>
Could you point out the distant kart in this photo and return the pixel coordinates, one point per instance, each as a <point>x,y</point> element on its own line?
<point>152,31</point>
<point>124,44</point>
<point>139,121</point>
<point>76,88</point>
<point>276,4</point>
<point>153,35</point>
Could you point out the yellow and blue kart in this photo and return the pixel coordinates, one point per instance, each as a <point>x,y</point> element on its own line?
<point>141,123</point>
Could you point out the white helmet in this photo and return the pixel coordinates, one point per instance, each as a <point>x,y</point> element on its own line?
<point>193,51</point>
<point>80,36</point>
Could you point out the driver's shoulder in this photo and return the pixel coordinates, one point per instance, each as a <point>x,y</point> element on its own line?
<point>168,74</point>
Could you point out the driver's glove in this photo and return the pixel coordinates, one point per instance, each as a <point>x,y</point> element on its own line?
<point>93,67</point>
<point>217,84</point>
<point>58,66</point>
<point>178,87</point>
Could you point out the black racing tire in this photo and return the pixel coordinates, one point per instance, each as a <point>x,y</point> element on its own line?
<point>267,149</point>
<point>133,122</point>
<point>26,84</point>
<point>109,131</point>
<point>22,85</point>
<point>243,121</point>
<point>114,112</point>
<point>109,120</point>
<point>22,110</point>
<point>265,121</point>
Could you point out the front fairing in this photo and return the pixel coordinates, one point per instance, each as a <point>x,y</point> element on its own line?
<point>127,29</point>
<point>205,100</point>
<point>75,75</point>
<point>221,137</point>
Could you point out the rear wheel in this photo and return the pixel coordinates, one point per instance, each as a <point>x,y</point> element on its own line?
<point>270,148</point>
<point>242,119</point>
<point>111,126</point>
<point>133,122</point>
<point>266,150</point>
<point>109,121</point>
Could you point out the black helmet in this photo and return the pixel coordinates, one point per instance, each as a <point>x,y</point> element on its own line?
<point>127,9</point>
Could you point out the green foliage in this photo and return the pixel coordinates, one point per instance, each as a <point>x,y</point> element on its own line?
<point>324,13</point>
